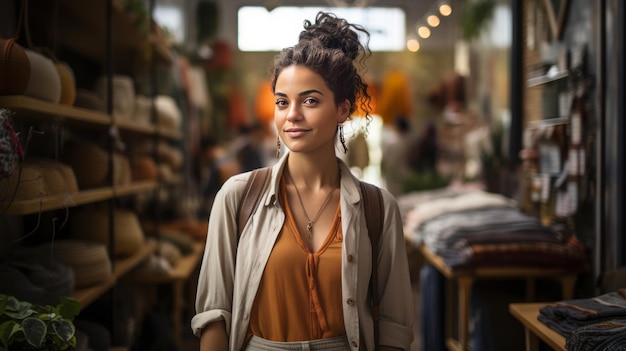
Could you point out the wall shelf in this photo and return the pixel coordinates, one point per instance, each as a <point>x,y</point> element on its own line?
<point>29,107</point>
<point>122,266</point>
<point>55,202</point>
<point>545,79</point>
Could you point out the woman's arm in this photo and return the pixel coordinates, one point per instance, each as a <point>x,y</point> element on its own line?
<point>214,337</point>
<point>394,282</point>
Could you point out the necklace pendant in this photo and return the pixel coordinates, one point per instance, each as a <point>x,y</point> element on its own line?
<point>309,229</point>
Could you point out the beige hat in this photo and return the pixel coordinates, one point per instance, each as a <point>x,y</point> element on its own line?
<point>68,83</point>
<point>89,260</point>
<point>44,82</point>
<point>92,223</point>
<point>14,68</point>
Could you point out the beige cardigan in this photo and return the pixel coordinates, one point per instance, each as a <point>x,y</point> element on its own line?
<point>226,290</point>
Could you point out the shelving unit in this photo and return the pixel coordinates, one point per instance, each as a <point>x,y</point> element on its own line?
<point>114,44</point>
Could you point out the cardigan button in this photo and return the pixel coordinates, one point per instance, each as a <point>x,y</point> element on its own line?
<point>350,258</point>
<point>350,301</point>
<point>355,345</point>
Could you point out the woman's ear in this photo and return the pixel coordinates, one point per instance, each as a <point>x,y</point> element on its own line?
<point>343,110</point>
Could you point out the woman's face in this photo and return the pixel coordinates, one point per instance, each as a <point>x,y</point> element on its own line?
<point>305,112</point>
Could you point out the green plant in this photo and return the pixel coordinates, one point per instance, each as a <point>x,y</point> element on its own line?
<point>476,14</point>
<point>424,180</point>
<point>27,326</point>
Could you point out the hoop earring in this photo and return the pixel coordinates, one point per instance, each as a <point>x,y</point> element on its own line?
<point>342,139</point>
<point>277,147</point>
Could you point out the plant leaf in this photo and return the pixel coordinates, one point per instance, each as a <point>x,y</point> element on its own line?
<point>35,331</point>
<point>7,330</point>
<point>69,307</point>
<point>64,329</point>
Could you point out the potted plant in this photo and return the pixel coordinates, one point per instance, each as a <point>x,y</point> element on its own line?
<point>27,326</point>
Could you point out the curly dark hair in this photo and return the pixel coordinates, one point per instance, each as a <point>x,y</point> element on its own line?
<point>329,47</point>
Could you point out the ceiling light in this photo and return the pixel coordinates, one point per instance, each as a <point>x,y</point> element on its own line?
<point>413,45</point>
<point>423,32</point>
<point>445,9</point>
<point>433,21</point>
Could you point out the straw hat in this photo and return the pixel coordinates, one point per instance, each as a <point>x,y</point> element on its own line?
<point>68,83</point>
<point>90,163</point>
<point>123,94</point>
<point>89,100</point>
<point>14,68</point>
<point>27,183</point>
<point>44,81</point>
<point>92,223</point>
<point>89,260</point>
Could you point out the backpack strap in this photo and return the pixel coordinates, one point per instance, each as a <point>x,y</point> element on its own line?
<point>373,206</point>
<point>251,196</point>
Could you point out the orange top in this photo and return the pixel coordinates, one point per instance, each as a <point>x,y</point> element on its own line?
<point>299,297</point>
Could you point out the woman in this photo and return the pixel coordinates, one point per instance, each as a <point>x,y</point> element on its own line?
<point>299,272</point>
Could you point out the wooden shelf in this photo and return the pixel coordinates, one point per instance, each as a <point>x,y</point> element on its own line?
<point>122,266</point>
<point>29,107</point>
<point>55,202</point>
<point>88,295</point>
<point>32,107</point>
<point>181,272</point>
<point>125,265</point>
<point>548,78</point>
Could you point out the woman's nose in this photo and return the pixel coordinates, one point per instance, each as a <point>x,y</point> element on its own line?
<point>294,112</point>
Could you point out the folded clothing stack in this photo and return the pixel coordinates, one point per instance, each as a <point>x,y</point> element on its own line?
<point>568,316</point>
<point>602,336</point>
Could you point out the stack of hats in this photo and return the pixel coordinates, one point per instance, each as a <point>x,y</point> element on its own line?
<point>92,223</point>
<point>39,177</point>
<point>14,68</point>
<point>123,94</point>
<point>89,260</point>
<point>35,276</point>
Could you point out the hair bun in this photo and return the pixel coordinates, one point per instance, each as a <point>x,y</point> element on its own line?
<point>333,33</point>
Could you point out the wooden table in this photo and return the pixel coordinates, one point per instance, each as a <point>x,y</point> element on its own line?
<point>535,330</point>
<point>464,279</point>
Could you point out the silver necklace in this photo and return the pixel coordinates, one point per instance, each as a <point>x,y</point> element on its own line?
<point>310,222</point>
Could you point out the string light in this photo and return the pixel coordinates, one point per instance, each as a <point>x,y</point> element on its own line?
<point>430,20</point>
<point>433,21</point>
<point>445,9</point>
<point>413,45</point>
<point>423,31</point>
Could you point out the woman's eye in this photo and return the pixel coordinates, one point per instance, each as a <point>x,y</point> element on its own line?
<point>310,101</point>
<point>281,103</point>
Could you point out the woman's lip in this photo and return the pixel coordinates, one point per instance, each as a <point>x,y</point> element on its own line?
<point>294,133</point>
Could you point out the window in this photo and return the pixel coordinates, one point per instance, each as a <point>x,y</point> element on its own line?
<point>171,18</point>
<point>261,30</point>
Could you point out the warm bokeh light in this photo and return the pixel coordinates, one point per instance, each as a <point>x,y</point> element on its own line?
<point>413,45</point>
<point>445,10</point>
<point>433,21</point>
<point>423,32</point>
